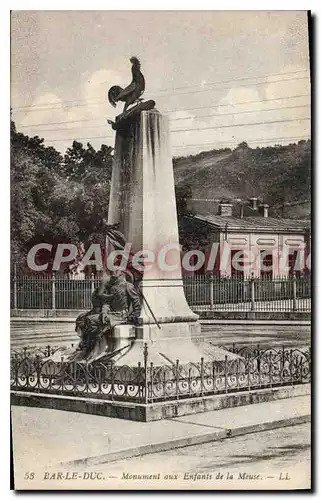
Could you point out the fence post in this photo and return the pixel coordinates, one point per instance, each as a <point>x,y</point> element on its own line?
<point>252,293</point>
<point>225,373</point>
<point>53,291</point>
<point>14,287</point>
<point>92,282</point>
<point>202,376</point>
<point>145,354</point>
<point>177,378</point>
<point>211,291</point>
<point>294,294</point>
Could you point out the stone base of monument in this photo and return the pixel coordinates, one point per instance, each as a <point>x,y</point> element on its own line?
<point>123,337</point>
<point>167,344</point>
<point>157,410</point>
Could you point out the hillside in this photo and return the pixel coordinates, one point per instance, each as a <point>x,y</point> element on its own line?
<point>281,175</point>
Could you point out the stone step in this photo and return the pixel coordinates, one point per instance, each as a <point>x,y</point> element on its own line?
<point>49,335</point>
<point>44,326</point>
<point>42,333</point>
<point>24,331</point>
<point>32,333</point>
<point>53,341</point>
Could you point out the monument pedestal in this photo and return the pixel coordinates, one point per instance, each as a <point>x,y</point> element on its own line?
<point>174,341</point>
<point>165,345</point>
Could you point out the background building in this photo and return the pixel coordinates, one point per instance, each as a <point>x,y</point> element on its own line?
<point>279,246</point>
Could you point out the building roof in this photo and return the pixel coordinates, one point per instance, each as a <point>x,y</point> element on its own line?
<point>256,224</point>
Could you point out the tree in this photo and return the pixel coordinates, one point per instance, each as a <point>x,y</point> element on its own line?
<point>55,199</point>
<point>29,185</point>
<point>243,145</point>
<point>35,149</point>
<point>183,194</point>
<point>80,162</point>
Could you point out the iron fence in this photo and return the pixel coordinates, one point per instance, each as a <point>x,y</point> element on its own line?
<point>250,368</point>
<point>52,292</point>
<point>285,294</point>
<point>203,292</point>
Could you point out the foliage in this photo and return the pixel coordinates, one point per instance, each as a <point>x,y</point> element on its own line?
<point>79,163</point>
<point>56,199</point>
<point>183,194</point>
<point>278,174</point>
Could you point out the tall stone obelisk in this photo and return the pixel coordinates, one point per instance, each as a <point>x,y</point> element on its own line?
<point>142,201</point>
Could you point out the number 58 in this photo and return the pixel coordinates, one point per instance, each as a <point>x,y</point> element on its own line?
<point>29,475</point>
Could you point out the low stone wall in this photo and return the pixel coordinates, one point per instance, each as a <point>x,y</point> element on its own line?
<point>232,315</point>
<point>45,313</point>
<point>259,315</point>
<point>156,411</point>
<point>38,329</point>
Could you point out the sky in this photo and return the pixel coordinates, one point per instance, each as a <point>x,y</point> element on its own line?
<point>213,72</point>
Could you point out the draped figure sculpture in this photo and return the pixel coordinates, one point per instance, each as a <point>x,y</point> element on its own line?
<point>116,301</point>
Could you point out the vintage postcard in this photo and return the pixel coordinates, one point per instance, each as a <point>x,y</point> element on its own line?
<point>160,250</point>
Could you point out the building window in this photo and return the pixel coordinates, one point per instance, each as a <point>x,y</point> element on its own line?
<point>293,263</point>
<point>237,263</point>
<point>266,264</point>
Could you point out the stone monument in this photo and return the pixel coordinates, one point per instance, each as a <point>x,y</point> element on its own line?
<point>142,203</point>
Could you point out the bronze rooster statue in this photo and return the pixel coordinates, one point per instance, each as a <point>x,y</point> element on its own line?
<point>132,93</point>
